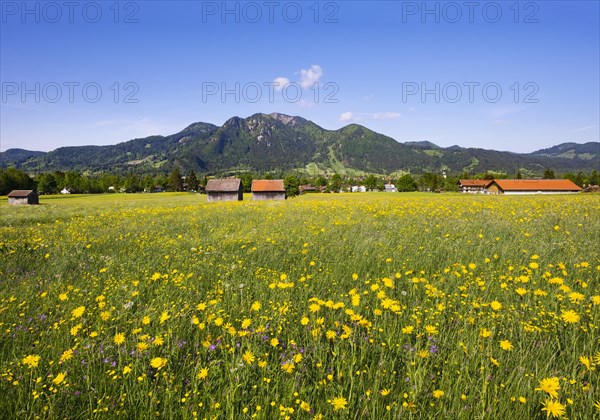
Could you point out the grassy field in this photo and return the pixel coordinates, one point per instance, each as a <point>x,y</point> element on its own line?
<point>323,306</point>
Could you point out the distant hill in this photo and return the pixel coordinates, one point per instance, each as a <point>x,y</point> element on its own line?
<point>264,142</point>
<point>16,157</point>
<point>586,151</point>
<point>422,144</point>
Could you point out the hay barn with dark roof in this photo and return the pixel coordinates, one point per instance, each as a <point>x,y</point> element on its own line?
<point>23,197</point>
<point>230,189</point>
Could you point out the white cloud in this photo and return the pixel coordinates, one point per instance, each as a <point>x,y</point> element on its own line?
<point>503,115</point>
<point>357,116</point>
<point>311,76</point>
<point>307,79</point>
<point>386,115</point>
<point>587,127</point>
<point>280,83</point>
<point>346,116</point>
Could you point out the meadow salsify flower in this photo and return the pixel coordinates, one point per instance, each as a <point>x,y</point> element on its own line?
<point>119,339</point>
<point>31,360</point>
<point>550,386</point>
<point>202,373</point>
<point>67,355</point>
<point>59,378</point>
<point>78,312</point>
<point>248,357</point>
<point>438,393</point>
<point>553,408</point>
<point>158,362</point>
<point>570,316</point>
<point>506,345</point>
<point>339,403</point>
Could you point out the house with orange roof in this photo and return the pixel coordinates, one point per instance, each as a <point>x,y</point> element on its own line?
<point>531,186</point>
<point>473,186</point>
<point>268,189</point>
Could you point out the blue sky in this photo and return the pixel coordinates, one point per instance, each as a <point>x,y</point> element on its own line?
<point>502,75</point>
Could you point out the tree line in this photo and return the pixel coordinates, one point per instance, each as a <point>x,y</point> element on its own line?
<point>82,183</point>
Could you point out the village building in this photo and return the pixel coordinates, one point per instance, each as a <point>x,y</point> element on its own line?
<point>23,197</point>
<point>268,189</point>
<point>308,189</point>
<point>532,186</point>
<point>230,189</point>
<point>158,189</point>
<point>473,186</point>
<point>390,188</point>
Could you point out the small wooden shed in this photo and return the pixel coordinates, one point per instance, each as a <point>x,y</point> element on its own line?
<point>308,189</point>
<point>23,197</point>
<point>268,189</point>
<point>230,189</point>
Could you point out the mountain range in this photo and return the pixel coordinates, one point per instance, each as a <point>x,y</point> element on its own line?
<point>266,142</point>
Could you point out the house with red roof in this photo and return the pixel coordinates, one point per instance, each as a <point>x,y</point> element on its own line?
<point>268,189</point>
<point>532,186</point>
<point>473,186</point>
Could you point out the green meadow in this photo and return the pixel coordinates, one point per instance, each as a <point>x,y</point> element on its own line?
<point>323,306</point>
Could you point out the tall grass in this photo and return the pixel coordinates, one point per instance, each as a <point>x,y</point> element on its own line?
<point>345,306</point>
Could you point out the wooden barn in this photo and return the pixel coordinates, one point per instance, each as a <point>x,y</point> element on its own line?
<point>308,189</point>
<point>230,189</point>
<point>532,186</point>
<point>23,197</point>
<point>268,189</point>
